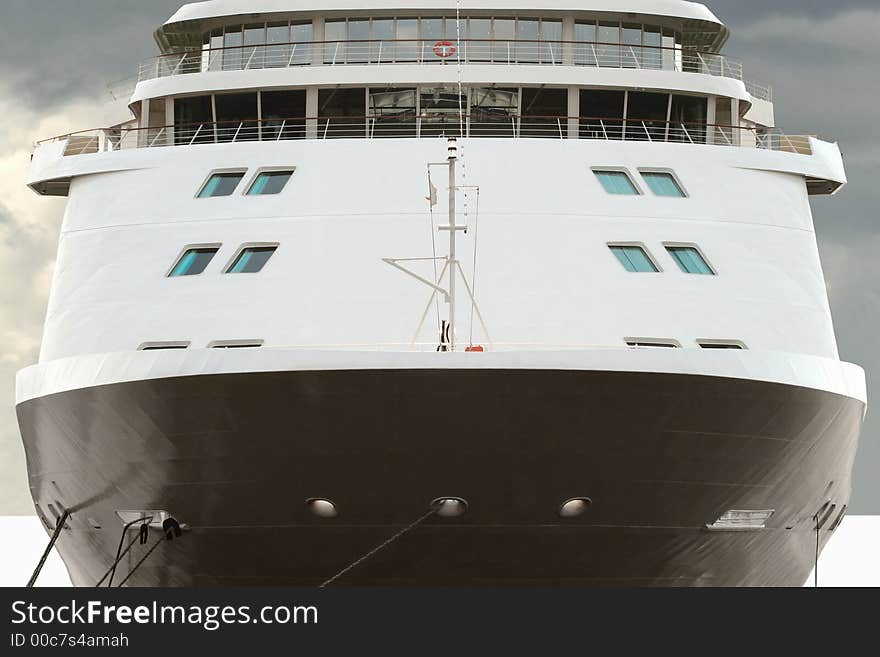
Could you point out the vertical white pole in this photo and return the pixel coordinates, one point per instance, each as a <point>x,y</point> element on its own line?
<point>318,33</point>
<point>734,121</point>
<point>711,119</point>
<point>453,263</point>
<point>574,111</point>
<point>312,112</point>
<point>169,119</point>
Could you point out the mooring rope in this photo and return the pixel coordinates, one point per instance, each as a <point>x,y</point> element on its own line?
<point>59,525</point>
<point>144,558</point>
<point>119,553</point>
<point>379,548</point>
<point>816,561</point>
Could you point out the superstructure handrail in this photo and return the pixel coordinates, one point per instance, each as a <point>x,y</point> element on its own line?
<point>427,126</point>
<point>596,54</point>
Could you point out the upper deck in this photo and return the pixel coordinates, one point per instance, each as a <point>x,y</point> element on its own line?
<point>651,35</point>
<point>275,70</point>
<point>191,19</point>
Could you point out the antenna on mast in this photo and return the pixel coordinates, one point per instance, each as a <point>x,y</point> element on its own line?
<point>451,265</point>
<point>452,261</point>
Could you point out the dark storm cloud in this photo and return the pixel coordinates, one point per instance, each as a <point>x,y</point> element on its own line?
<point>58,49</point>
<point>820,56</point>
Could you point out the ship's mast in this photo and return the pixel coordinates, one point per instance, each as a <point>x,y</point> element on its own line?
<point>453,229</point>
<point>451,266</point>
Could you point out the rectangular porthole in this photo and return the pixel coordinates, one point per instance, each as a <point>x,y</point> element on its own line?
<point>721,344</point>
<point>689,259</point>
<point>652,343</point>
<point>222,183</point>
<point>193,261</point>
<point>617,182</point>
<point>634,258</point>
<point>251,259</point>
<point>741,520</point>
<point>663,183</point>
<point>162,346</point>
<point>236,344</point>
<point>269,182</point>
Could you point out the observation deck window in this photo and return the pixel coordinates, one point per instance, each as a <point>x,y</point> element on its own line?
<point>344,108</point>
<point>493,112</point>
<point>382,30</point>
<point>283,114</point>
<point>192,111</point>
<point>507,39</point>
<point>258,45</point>
<point>407,48</point>
<point>541,109</point>
<point>254,53</point>
<point>693,111</point>
<point>627,45</point>
<point>608,34</point>
<point>602,113</point>
<point>232,42</point>
<point>649,112</point>
<point>393,112</point>
<point>236,116</point>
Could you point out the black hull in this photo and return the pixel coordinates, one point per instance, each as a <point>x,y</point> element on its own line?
<point>235,457</point>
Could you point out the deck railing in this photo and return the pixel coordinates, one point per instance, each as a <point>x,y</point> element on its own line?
<point>515,127</point>
<point>444,52</point>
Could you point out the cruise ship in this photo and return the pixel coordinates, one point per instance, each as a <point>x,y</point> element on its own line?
<point>438,293</point>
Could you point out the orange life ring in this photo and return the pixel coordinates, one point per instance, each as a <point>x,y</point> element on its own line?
<point>444,49</point>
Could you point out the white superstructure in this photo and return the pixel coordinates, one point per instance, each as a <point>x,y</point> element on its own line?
<point>545,274</point>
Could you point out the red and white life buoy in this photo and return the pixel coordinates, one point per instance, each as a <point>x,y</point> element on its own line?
<point>444,49</point>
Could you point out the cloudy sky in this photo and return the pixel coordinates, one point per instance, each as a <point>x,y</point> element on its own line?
<point>59,55</point>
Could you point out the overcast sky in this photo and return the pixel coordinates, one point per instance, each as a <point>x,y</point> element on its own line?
<point>58,56</point>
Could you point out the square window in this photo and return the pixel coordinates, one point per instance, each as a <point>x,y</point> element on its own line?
<point>193,262</point>
<point>634,258</point>
<point>221,184</point>
<point>690,260</point>
<point>663,184</point>
<point>251,260</point>
<point>269,182</point>
<point>617,182</point>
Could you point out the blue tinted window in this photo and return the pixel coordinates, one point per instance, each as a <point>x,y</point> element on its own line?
<point>634,258</point>
<point>193,262</point>
<point>663,184</point>
<point>689,260</point>
<point>617,182</point>
<point>251,260</point>
<point>221,184</point>
<point>269,182</point>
